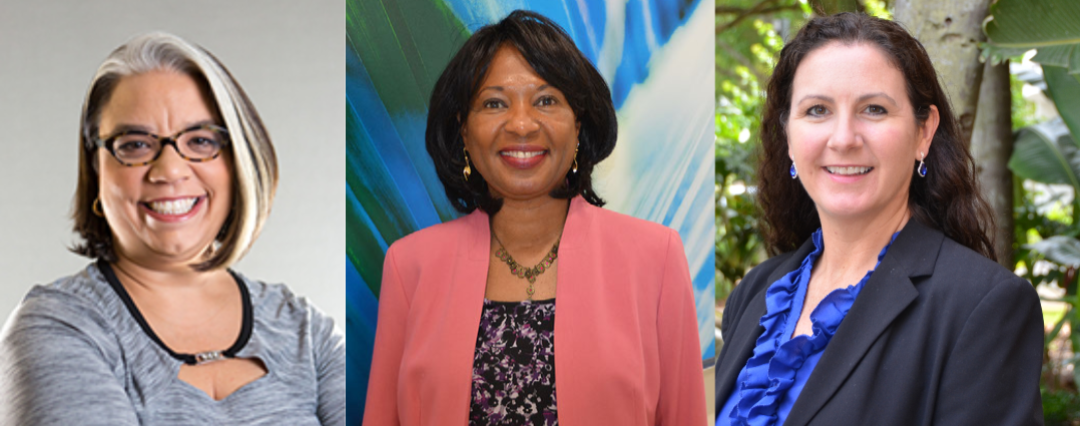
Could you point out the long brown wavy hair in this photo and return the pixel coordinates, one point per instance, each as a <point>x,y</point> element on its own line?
<point>947,199</point>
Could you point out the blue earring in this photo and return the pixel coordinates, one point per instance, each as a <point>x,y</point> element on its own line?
<point>794,173</point>
<point>922,167</point>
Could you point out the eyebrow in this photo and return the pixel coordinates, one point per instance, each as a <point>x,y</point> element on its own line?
<point>878,95</point>
<point>501,88</point>
<point>860,99</point>
<point>125,127</point>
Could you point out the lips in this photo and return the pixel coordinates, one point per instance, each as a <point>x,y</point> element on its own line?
<point>523,157</point>
<point>521,154</point>
<point>849,171</point>
<point>173,209</point>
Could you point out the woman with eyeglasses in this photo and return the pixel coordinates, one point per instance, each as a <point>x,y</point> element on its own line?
<point>176,178</point>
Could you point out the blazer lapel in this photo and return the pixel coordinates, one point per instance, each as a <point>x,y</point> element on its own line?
<point>460,311</point>
<point>888,292</point>
<point>734,354</point>
<point>573,300</point>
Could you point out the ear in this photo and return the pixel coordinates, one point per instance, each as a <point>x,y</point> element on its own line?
<point>927,131</point>
<point>462,127</point>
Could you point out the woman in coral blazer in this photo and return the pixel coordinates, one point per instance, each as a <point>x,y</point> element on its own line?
<point>601,330</point>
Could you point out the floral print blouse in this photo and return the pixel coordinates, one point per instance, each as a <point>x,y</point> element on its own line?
<point>514,365</point>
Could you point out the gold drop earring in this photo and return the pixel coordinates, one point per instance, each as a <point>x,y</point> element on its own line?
<point>574,168</point>
<point>468,170</point>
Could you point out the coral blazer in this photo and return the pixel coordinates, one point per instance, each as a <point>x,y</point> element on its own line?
<point>626,337</point>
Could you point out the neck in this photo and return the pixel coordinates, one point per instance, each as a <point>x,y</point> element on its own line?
<point>529,226</point>
<point>141,274</point>
<point>853,245</point>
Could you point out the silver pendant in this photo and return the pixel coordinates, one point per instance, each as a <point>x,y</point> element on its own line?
<point>208,357</point>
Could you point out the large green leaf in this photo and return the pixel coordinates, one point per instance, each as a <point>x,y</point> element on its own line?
<point>1067,56</point>
<point>1064,89</point>
<point>1052,26</point>
<point>1059,249</point>
<point>1046,153</point>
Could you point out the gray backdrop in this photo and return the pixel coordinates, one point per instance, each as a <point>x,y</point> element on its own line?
<point>287,55</point>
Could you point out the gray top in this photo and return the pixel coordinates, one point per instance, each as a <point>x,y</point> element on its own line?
<point>73,354</point>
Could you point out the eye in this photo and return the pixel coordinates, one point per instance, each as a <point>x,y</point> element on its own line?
<point>131,145</point>
<point>547,101</point>
<point>876,110</point>
<point>817,111</point>
<point>493,103</point>
<point>203,145</point>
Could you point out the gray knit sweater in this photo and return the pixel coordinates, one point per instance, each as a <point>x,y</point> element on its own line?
<point>72,354</point>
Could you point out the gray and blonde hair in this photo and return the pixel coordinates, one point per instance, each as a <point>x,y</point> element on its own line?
<point>253,160</point>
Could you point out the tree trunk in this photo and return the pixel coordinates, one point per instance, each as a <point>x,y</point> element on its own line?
<point>991,145</point>
<point>951,31</point>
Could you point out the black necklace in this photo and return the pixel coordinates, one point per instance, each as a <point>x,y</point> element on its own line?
<point>189,359</point>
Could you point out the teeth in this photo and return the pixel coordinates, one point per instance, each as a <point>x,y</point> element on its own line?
<point>521,154</point>
<point>848,170</point>
<point>173,207</point>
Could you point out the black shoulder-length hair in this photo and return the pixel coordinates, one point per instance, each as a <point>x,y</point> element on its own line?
<point>947,199</point>
<point>552,54</point>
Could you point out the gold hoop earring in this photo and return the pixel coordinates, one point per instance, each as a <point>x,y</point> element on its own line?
<point>96,207</point>
<point>574,168</point>
<point>468,170</point>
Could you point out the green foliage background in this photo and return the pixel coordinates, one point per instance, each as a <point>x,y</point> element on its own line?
<point>749,36</point>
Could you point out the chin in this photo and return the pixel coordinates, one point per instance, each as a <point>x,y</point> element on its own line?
<point>180,248</point>
<point>845,210</point>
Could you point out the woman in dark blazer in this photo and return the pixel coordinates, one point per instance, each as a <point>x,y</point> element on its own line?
<point>885,306</point>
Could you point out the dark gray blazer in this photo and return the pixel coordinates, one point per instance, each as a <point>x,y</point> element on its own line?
<point>939,335</point>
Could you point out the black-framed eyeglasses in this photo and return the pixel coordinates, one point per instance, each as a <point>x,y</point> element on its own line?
<point>135,148</point>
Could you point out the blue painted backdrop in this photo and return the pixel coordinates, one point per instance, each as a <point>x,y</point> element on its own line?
<point>657,57</point>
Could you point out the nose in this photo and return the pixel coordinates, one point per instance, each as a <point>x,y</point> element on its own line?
<point>523,120</point>
<point>845,134</point>
<point>169,167</point>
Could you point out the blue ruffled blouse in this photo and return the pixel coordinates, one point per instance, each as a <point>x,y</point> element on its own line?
<point>775,374</point>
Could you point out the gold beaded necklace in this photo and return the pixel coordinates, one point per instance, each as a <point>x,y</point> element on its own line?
<point>529,274</point>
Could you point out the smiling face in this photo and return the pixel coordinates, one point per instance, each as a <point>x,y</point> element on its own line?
<point>520,133</point>
<point>852,132</point>
<point>172,209</point>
